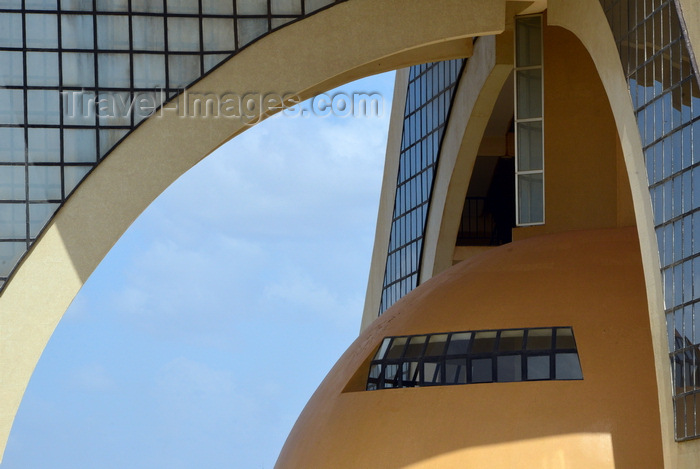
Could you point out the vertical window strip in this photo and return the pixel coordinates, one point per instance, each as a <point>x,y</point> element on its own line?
<point>529,121</point>
<point>428,102</point>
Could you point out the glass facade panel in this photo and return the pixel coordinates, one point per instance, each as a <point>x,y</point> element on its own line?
<point>428,103</point>
<point>663,86</point>
<point>148,33</point>
<point>42,31</point>
<point>68,83</point>
<point>12,72</point>
<point>77,32</point>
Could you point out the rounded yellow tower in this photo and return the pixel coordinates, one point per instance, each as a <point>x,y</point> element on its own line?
<point>589,281</point>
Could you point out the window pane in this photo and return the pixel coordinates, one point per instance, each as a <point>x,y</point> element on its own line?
<point>113,32</point>
<point>11,68</point>
<point>251,7</point>
<point>509,368</point>
<point>415,346</point>
<point>76,32</point>
<point>396,348</point>
<point>510,340</point>
<point>250,29</point>
<point>286,7</point>
<point>10,252</point>
<point>436,345</point>
<point>538,367</point>
<point>456,371</point>
<point>44,183</point>
<point>382,349</point>
<point>530,148</point>
<point>12,183</point>
<point>183,34</point>
<point>183,69</point>
<point>44,145</point>
<point>42,69</point>
<point>13,219</point>
<point>528,46</point>
<point>43,106</point>
<point>219,34</point>
<point>565,338</point>
<point>42,31</point>
<point>529,91</point>
<point>114,70</point>
<point>72,175</point>
<point>217,7</point>
<point>459,343</point>
<point>149,71</point>
<point>539,339</point>
<point>148,33</point>
<point>39,215</point>
<point>11,106</point>
<point>484,342</point>
<point>11,144</point>
<point>481,370</point>
<point>432,373</point>
<point>11,29</point>
<point>114,5</point>
<point>567,366</point>
<point>183,6</point>
<point>78,69</point>
<point>79,146</point>
<point>530,198</point>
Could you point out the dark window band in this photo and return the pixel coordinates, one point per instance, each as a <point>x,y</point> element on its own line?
<point>467,357</point>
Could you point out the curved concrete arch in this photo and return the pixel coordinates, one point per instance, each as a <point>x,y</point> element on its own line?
<point>305,58</point>
<point>486,72</point>
<point>587,21</point>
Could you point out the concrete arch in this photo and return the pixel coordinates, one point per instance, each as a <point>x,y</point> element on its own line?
<point>305,58</point>
<point>486,72</point>
<point>587,21</point>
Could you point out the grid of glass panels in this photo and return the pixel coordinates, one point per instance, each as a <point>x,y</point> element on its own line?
<point>428,102</point>
<point>77,75</point>
<point>663,84</point>
<point>547,353</point>
<point>529,121</point>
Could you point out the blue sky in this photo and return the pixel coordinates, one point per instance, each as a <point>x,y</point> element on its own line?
<point>200,337</point>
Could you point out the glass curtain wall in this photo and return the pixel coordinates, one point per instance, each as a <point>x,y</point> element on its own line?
<point>662,77</point>
<point>70,72</point>
<point>428,102</point>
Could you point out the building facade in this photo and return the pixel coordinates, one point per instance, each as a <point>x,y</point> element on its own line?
<point>515,124</point>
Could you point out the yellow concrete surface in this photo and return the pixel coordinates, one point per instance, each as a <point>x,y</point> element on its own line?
<point>591,280</point>
<point>582,187</point>
<point>585,18</point>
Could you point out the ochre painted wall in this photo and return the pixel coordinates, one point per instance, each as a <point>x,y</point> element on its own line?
<point>585,184</point>
<point>591,280</point>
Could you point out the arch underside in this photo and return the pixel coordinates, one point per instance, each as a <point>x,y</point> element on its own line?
<point>385,35</point>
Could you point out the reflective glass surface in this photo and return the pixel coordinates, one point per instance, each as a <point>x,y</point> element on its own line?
<point>428,102</point>
<point>664,90</point>
<point>70,71</point>
<point>476,357</point>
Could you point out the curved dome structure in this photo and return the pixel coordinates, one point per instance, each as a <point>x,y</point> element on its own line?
<point>591,281</point>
